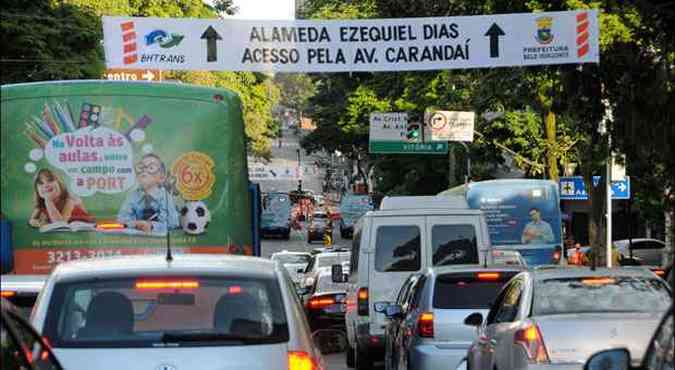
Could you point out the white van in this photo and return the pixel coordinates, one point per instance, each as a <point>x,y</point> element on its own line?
<point>407,235</point>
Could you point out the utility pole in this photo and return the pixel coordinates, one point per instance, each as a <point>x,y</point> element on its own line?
<point>603,129</point>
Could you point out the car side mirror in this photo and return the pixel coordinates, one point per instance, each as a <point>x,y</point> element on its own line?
<point>337,275</point>
<point>394,311</point>
<point>475,319</point>
<point>613,359</point>
<point>381,307</point>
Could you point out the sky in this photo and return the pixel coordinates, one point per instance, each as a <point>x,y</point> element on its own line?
<point>265,9</point>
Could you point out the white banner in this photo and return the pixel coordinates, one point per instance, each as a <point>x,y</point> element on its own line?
<point>258,173</point>
<point>352,45</point>
<point>449,126</point>
<point>388,126</point>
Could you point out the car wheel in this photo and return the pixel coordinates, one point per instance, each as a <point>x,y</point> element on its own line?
<point>361,359</point>
<point>349,358</point>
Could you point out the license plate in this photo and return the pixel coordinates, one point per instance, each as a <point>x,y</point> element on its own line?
<point>336,308</point>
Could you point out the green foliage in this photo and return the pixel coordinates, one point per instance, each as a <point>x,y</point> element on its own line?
<point>44,40</point>
<point>296,89</point>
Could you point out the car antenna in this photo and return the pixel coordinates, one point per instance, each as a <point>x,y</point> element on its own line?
<point>169,255</point>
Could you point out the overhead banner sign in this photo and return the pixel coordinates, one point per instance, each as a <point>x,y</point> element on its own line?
<point>449,126</point>
<point>352,45</point>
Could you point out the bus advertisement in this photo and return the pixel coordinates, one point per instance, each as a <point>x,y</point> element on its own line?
<point>98,168</point>
<point>521,214</point>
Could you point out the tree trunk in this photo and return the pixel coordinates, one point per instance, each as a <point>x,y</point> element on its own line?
<point>551,145</point>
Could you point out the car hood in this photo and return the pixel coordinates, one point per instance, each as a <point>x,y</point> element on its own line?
<point>254,357</point>
<point>575,337</point>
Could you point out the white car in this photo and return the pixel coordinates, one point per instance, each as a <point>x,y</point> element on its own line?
<point>202,312</point>
<point>325,259</point>
<point>294,262</point>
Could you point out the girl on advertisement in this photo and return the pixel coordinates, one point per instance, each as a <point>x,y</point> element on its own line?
<point>53,202</point>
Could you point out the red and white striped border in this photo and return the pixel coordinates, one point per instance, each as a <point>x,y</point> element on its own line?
<point>582,34</point>
<point>129,40</point>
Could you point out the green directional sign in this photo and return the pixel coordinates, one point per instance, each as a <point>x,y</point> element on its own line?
<point>402,147</point>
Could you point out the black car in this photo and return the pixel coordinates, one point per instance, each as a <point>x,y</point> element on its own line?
<point>326,305</point>
<point>318,227</point>
<point>21,347</point>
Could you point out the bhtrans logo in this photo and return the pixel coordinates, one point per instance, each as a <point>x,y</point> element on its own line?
<point>544,34</point>
<point>132,55</point>
<point>163,39</point>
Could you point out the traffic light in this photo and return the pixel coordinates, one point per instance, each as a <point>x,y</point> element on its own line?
<point>414,132</point>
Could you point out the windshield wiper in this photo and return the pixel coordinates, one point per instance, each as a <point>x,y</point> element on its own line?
<point>214,337</point>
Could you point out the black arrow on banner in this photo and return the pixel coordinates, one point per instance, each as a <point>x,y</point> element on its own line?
<point>211,36</point>
<point>494,32</point>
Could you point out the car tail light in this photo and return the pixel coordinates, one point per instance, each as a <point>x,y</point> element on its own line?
<point>425,325</point>
<point>488,276</point>
<point>659,272</point>
<point>298,360</point>
<point>530,338</point>
<point>166,284</point>
<point>362,302</point>
<point>7,293</point>
<point>234,289</point>
<point>317,303</point>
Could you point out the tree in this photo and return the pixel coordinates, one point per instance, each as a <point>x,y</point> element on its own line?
<point>42,40</point>
<point>296,89</point>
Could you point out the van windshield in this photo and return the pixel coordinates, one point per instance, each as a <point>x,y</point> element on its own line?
<point>171,311</point>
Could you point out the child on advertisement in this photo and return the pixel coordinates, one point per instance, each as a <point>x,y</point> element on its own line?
<point>53,202</point>
<point>150,207</point>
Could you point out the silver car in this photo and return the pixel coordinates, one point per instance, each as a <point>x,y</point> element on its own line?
<point>294,262</point>
<point>426,327</point>
<point>556,318</point>
<point>201,312</point>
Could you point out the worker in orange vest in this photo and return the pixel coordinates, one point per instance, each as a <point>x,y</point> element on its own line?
<point>576,256</point>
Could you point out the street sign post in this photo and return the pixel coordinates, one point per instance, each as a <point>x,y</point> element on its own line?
<point>573,188</point>
<point>449,126</point>
<point>404,44</point>
<point>391,133</point>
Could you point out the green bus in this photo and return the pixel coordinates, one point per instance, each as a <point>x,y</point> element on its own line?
<point>98,168</point>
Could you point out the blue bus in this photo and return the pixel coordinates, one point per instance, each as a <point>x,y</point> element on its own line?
<point>521,214</point>
<point>276,215</point>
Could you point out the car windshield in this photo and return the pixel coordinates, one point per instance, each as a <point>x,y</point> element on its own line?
<point>327,261</point>
<point>325,284</point>
<point>600,294</point>
<point>292,258</point>
<point>171,311</point>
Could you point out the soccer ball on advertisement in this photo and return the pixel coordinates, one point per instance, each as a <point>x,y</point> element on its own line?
<point>195,217</point>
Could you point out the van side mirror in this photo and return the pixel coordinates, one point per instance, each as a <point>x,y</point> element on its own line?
<point>475,319</point>
<point>337,275</point>
<point>613,359</point>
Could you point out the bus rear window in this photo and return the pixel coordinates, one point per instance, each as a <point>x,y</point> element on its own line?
<point>184,311</point>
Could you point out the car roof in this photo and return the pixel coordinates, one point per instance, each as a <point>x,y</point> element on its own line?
<point>638,240</point>
<point>423,202</point>
<point>155,265</point>
<point>548,272</point>
<point>291,252</point>
<point>23,283</point>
